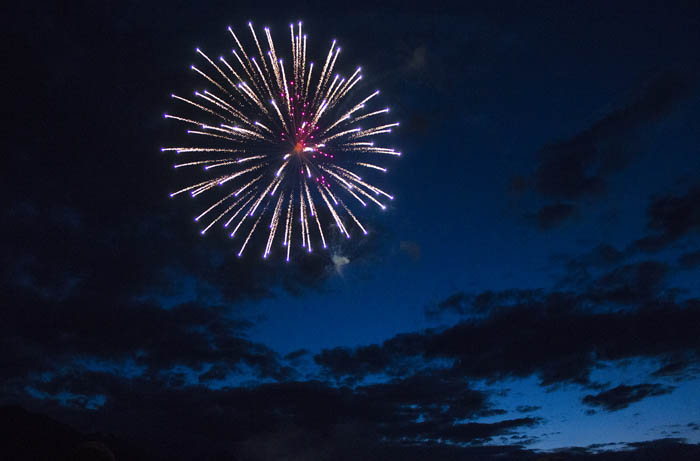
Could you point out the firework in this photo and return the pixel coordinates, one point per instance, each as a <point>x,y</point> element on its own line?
<point>282,145</point>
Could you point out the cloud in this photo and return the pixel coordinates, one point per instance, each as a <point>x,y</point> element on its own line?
<point>296,355</point>
<point>689,260</point>
<point>579,166</point>
<point>551,216</point>
<point>668,448</point>
<point>285,440</point>
<point>602,256</point>
<point>581,269</point>
<point>679,368</point>
<point>457,303</point>
<point>119,317</point>
<point>671,218</point>
<point>488,300</point>
<point>418,59</point>
<point>410,248</point>
<point>631,284</point>
<point>555,336</point>
<point>70,345</point>
<point>423,409</point>
<point>527,408</point>
<point>44,335</point>
<point>622,396</point>
<point>463,303</point>
<point>474,432</point>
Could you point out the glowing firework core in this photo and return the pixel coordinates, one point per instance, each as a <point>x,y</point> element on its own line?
<point>311,113</point>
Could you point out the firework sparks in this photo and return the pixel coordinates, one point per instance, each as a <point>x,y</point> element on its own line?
<point>281,142</point>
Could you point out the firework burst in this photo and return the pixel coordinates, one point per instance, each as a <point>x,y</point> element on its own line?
<point>283,149</point>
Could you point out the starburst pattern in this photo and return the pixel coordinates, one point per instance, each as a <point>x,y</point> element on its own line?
<point>284,148</point>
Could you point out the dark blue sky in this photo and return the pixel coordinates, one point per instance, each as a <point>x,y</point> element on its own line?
<point>532,287</point>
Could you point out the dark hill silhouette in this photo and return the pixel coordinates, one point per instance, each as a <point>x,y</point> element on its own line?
<point>27,436</point>
<point>31,436</point>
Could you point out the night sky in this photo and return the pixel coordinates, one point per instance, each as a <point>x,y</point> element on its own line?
<point>531,293</point>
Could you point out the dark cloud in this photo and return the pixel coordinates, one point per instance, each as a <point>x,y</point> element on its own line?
<point>689,260</point>
<point>34,436</point>
<point>676,215</point>
<point>473,432</point>
<point>598,281</point>
<point>668,448</point>
<point>671,368</point>
<point>145,244</point>
<point>425,409</point>
<point>580,166</point>
<point>295,355</point>
<point>457,303</point>
<point>602,255</point>
<point>623,396</point>
<point>678,368</point>
<point>553,337</point>
<point>478,304</point>
<point>670,218</point>
<point>527,408</point>
<point>581,269</point>
<point>633,284</point>
<point>23,431</point>
<point>44,335</point>
<point>215,373</point>
<point>551,216</point>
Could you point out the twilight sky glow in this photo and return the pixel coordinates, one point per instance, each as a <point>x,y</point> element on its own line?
<point>531,293</point>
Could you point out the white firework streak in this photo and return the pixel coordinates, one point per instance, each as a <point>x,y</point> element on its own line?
<point>275,129</point>
<point>273,225</point>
